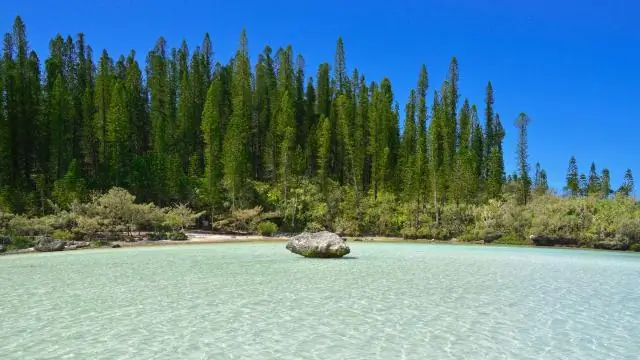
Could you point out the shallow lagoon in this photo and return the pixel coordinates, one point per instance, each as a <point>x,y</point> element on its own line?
<point>258,301</point>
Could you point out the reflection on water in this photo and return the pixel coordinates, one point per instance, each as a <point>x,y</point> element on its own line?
<point>258,301</point>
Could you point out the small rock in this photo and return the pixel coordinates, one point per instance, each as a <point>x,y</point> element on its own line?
<point>115,246</point>
<point>2,248</point>
<point>322,244</point>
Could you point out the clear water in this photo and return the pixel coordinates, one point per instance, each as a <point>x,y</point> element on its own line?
<point>258,301</point>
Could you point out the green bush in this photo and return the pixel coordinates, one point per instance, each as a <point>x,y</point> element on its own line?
<point>267,228</point>
<point>314,227</point>
<point>100,243</point>
<point>635,247</point>
<point>21,242</point>
<point>62,235</point>
<point>512,239</point>
<point>178,236</point>
<point>155,236</point>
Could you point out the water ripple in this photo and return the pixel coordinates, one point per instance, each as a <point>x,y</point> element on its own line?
<point>257,301</point>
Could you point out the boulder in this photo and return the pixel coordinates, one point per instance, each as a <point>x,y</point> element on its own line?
<point>2,248</point>
<point>611,245</point>
<point>322,244</point>
<point>47,243</point>
<point>489,237</point>
<point>115,246</point>
<point>553,240</point>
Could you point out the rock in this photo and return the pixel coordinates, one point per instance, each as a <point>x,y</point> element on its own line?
<point>322,244</point>
<point>489,237</point>
<point>47,243</point>
<point>5,240</point>
<point>2,248</point>
<point>553,240</point>
<point>77,245</point>
<point>611,245</point>
<point>115,246</point>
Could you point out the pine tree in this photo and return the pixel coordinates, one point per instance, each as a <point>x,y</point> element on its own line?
<point>323,90</point>
<point>59,113</point>
<point>103,91</point>
<point>523,165</point>
<point>627,187</point>
<point>5,138</point>
<point>489,121</point>
<point>286,127</point>
<point>340,69</point>
<point>540,181</point>
<point>422,159</point>
<point>477,153</point>
<point>495,162</point>
<point>605,184</point>
<point>436,150</point>
<point>212,119</point>
<point>236,147</point>
<point>593,186</point>
<point>118,135</point>
<point>310,128</point>
<point>323,139</point>
<point>583,183</point>
<point>573,181</point>
<point>409,146</point>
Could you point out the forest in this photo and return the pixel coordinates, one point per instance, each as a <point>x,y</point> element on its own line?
<point>270,147</point>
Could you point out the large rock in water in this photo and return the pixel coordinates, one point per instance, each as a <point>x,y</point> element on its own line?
<point>322,244</point>
<point>47,243</point>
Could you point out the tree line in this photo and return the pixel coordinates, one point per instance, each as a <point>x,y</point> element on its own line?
<point>185,128</point>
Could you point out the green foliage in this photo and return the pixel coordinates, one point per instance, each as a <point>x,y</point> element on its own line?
<point>177,236</point>
<point>635,247</point>
<point>21,242</point>
<point>267,228</point>
<point>62,235</point>
<point>97,149</point>
<point>179,216</point>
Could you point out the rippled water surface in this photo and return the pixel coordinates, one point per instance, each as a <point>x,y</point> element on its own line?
<point>258,301</point>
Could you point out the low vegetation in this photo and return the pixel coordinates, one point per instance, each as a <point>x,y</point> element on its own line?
<point>113,215</point>
<point>611,223</point>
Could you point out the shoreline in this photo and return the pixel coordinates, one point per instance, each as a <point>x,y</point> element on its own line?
<point>198,238</point>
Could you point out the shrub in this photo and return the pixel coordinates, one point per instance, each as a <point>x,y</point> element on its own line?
<point>155,236</point>
<point>314,227</point>
<point>100,243</point>
<point>21,242</point>
<point>62,235</point>
<point>267,228</point>
<point>635,247</point>
<point>178,236</point>
<point>512,239</point>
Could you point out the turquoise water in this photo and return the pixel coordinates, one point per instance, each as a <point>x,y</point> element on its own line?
<point>258,301</point>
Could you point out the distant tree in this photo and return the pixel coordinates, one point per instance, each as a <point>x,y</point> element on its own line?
<point>540,181</point>
<point>605,184</point>
<point>523,165</point>
<point>627,186</point>
<point>593,182</point>
<point>573,181</point>
<point>235,149</point>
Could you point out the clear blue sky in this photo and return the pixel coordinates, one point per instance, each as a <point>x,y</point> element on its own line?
<point>570,64</point>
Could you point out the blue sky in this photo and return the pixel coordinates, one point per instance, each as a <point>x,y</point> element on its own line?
<point>569,64</point>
